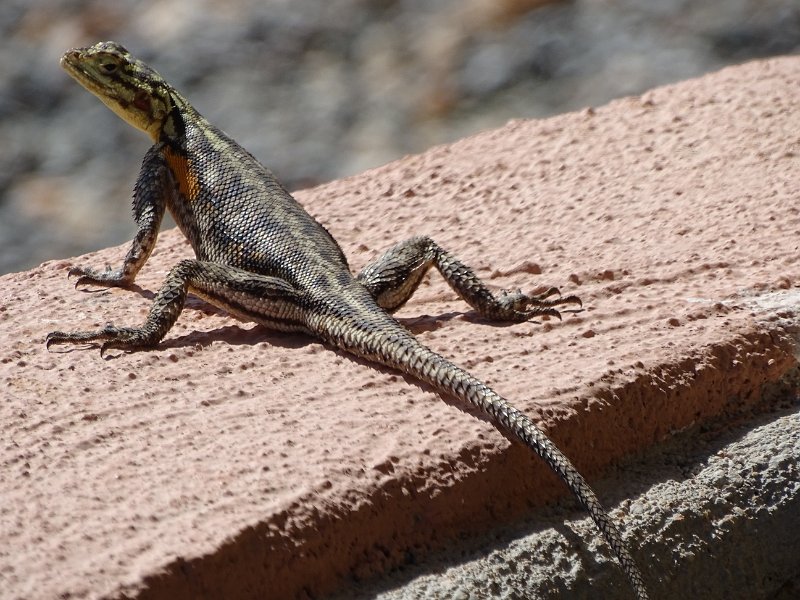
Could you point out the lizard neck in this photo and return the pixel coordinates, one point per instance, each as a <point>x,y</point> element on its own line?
<point>173,128</point>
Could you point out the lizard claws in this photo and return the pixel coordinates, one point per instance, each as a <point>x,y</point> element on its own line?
<point>51,339</point>
<point>553,291</point>
<point>109,335</point>
<point>104,348</point>
<point>108,278</point>
<point>84,276</point>
<point>59,337</point>
<point>571,300</point>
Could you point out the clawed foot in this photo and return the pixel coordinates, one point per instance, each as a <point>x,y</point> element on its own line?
<point>518,307</point>
<point>113,338</point>
<point>108,278</point>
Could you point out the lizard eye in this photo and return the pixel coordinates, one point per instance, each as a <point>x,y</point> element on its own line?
<point>109,67</point>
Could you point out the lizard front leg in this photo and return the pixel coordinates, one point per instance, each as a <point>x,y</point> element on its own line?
<point>268,300</point>
<point>149,202</point>
<point>395,276</point>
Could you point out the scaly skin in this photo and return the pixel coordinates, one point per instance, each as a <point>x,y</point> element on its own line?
<point>262,257</point>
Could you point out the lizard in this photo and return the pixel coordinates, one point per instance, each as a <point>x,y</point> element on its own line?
<point>261,257</point>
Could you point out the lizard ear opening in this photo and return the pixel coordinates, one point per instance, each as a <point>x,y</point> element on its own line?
<point>141,100</point>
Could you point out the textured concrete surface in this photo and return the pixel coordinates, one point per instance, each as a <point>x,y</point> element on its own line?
<point>236,462</point>
<point>371,80</point>
<point>717,510</point>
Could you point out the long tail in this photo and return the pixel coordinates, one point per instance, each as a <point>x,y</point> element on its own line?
<point>467,388</point>
<point>393,346</point>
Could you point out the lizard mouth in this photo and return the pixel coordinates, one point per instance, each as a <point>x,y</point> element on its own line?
<point>79,68</point>
<point>72,63</point>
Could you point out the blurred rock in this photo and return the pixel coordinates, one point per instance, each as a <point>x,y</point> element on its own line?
<point>321,90</point>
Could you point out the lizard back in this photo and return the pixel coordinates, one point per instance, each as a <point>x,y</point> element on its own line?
<point>235,212</point>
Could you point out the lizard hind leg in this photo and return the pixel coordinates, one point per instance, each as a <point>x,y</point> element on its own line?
<point>245,294</point>
<point>395,276</point>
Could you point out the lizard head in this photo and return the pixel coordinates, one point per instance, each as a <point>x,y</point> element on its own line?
<point>126,85</point>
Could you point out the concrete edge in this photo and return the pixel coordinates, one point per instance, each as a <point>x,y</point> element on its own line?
<point>718,519</point>
<point>336,554</point>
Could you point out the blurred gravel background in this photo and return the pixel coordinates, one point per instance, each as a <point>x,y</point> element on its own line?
<point>319,89</point>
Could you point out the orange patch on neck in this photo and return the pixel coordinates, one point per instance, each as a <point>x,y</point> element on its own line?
<point>188,184</point>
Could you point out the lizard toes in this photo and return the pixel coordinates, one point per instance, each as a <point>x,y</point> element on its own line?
<point>552,312</point>
<point>572,299</point>
<point>553,291</point>
<point>54,337</point>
